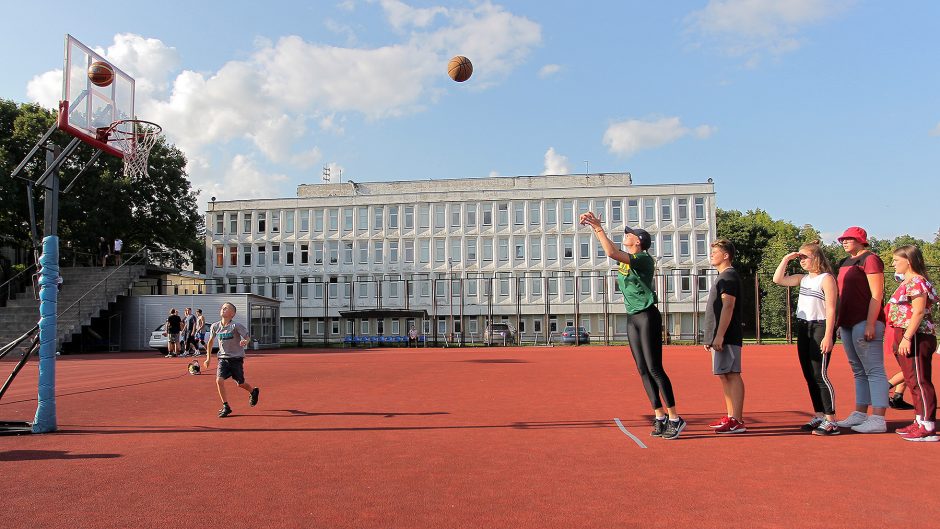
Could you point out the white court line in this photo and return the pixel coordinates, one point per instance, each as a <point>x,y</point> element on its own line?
<point>630,435</point>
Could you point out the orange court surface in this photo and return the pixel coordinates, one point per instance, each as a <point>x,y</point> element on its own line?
<point>449,438</point>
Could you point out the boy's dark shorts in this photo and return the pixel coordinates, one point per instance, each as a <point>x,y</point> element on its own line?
<point>231,368</point>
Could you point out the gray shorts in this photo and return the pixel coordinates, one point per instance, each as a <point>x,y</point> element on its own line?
<point>231,368</point>
<point>173,337</point>
<point>728,360</point>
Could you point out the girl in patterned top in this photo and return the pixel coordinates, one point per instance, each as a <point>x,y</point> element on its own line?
<point>911,337</point>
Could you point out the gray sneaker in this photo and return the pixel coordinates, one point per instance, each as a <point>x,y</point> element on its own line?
<point>874,424</point>
<point>827,428</point>
<point>854,419</point>
<point>658,428</point>
<point>812,424</point>
<point>674,428</point>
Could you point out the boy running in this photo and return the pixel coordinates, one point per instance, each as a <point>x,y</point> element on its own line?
<point>233,337</point>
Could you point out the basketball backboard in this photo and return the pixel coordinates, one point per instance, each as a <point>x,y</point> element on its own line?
<point>86,107</point>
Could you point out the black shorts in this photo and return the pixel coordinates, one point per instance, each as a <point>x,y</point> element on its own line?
<point>231,368</point>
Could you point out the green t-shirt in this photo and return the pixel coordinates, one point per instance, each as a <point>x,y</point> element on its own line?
<point>635,281</point>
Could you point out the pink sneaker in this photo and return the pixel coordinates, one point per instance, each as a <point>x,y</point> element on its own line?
<point>732,426</point>
<point>720,422</point>
<point>921,434</point>
<point>907,429</point>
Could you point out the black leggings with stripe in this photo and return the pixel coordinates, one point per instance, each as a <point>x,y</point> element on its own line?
<point>644,329</point>
<point>815,365</point>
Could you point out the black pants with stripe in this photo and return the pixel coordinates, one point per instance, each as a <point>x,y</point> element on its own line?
<point>815,365</point>
<point>645,331</point>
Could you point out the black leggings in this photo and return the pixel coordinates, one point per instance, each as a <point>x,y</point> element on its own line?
<point>815,365</point>
<point>644,329</point>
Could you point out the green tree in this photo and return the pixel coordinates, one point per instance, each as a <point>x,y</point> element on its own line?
<point>159,211</point>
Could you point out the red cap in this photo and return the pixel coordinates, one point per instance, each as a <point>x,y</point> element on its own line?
<point>856,233</point>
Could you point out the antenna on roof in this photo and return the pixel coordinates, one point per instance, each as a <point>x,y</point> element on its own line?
<point>326,174</point>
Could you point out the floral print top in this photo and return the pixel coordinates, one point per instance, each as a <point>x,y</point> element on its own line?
<point>900,308</point>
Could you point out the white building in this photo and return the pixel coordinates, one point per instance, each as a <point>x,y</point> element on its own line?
<point>372,258</point>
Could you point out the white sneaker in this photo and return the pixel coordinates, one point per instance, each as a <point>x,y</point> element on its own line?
<point>874,424</point>
<point>854,419</point>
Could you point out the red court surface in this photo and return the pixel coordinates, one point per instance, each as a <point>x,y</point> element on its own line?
<point>448,438</point>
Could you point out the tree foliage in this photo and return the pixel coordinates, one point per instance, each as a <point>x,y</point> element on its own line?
<point>158,212</point>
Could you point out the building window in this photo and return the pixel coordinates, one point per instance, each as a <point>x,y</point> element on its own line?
<point>616,211</point>
<point>551,213</point>
<point>262,222</point>
<point>275,221</point>
<point>377,252</point>
<point>334,251</point>
<point>487,215</point>
<point>701,249</point>
<point>551,249</point>
<point>304,215</point>
<point>246,255</point>
<point>665,209</point>
<point>246,223</point>
<point>568,245</point>
<point>348,219</point>
<point>503,250</point>
<point>262,255</point>
<point>378,215</point>
<point>699,208</point>
<point>667,245</point>
<point>471,250</point>
<point>649,211</point>
<point>424,250</point>
<point>393,252</point>
<point>289,221</point>
<point>393,217</point>
<point>219,223</point>
<point>305,254</point>
<point>584,249</point>
<point>347,252</point>
<point>536,286</point>
<point>233,223</point>
<point>535,249</point>
<point>409,251</point>
<point>455,215</point>
<point>233,255</point>
<point>487,245</point>
<point>682,209</point>
<point>519,249</point>
<point>219,257</point>
<point>685,281</point>
<point>318,221</point>
<point>409,217</point>
<point>471,216</point>
<point>363,252</point>
<point>439,213</point>
<point>362,218</point>
<point>684,249</point>
<point>333,219</point>
<point>567,212</point>
<point>633,211</point>
<point>534,217</point>
<point>289,250</point>
<point>439,250</point>
<point>424,216</point>
<point>518,213</point>
<point>455,244</point>
<point>502,218</point>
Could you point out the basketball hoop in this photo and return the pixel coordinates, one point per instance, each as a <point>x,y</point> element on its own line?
<point>135,138</point>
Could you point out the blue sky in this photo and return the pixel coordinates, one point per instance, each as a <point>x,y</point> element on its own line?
<point>820,112</point>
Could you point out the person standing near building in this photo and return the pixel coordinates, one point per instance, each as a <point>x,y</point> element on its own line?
<point>189,332</point>
<point>911,337</point>
<point>233,338</point>
<point>200,329</point>
<point>644,322</point>
<point>103,251</point>
<point>815,330</point>
<point>118,245</point>
<point>413,337</point>
<point>862,325</point>
<point>724,337</point>
<point>173,326</point>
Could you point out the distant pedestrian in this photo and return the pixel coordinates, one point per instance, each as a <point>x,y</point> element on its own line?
<point>233,338</point>
<point>173,326</point>
<point>189,332</point>
<point>103,251</point>
<point>118,245</point>
<point>413,337</point>
<point>200,329</point>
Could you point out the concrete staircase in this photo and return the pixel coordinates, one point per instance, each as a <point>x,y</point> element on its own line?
<point>87,290</point>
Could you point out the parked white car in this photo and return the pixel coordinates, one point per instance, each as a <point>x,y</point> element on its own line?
<point>158,340</point>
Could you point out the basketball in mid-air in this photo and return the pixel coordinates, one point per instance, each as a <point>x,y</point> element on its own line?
<point>100,73</point>
<point>460,68</point>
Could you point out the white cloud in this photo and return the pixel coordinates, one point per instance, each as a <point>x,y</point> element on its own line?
<point>555,164</point>
<point>750,28</point>
<point>936,130</point>
<point>243,179</point>
<point>628,137</point>
<point>149,61</point>
<point>548,70</point>
<point>401,15</point>
<point>46,89</point>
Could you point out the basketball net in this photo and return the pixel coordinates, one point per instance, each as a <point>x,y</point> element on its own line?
<point>135,138</point>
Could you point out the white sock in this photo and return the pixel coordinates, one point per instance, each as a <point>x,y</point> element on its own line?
<point>929,426</point>
<point>677,419</point>
<point>919,419</point>
<point>663,418</point>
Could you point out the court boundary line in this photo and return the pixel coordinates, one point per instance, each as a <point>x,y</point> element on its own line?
<point>630,435</point>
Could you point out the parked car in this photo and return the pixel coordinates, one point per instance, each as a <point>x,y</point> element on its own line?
<point>499,334</point>
<point>158,340</point>
<point>568,336</point>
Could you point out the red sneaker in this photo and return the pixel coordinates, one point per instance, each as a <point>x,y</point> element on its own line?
<point>921,434</point>
<point>720,422</point>
<point>732,426</point>
<point>907,429</point>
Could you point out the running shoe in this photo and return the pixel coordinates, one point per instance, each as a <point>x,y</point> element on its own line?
<point>658,428</point>
<point>253,398</point>
<point>921,434</point>
<point>827,428</point>
<point>674,428</point>
<point>854,419</point>
<point>732,426</point>
<point>225,411</point>
<point>907,429</point>
<point>874,424</point>
<point>897,402</point>
<point>720,422</point>
<point>812,424</point>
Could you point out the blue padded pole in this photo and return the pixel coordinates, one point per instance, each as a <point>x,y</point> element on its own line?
<point>48,299</point>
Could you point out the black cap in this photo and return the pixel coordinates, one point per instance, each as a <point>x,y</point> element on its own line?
<point>645,240</point>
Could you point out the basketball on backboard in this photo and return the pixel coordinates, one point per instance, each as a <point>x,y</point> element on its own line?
<point>460,68</point>
<point>100,73</point>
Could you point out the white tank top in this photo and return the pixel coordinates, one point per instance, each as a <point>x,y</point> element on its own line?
<point>811,305</point>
